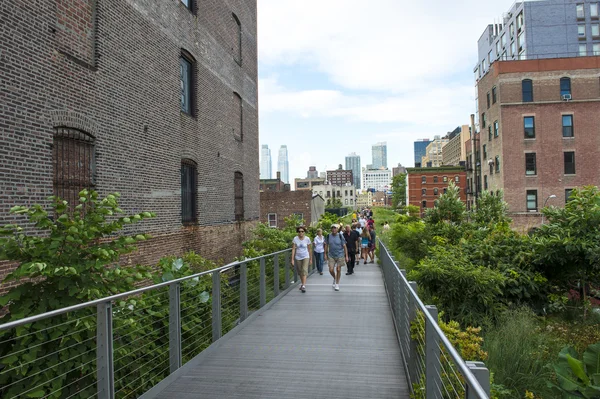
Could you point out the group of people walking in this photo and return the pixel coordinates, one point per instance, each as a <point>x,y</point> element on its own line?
<point>337,248</point>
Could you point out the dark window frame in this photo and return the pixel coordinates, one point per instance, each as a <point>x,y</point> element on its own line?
<point>485,182</point>
<point>568,192</point>
<point>527,90</point>
<point>189,192</point>
<point>529,129</point>
<point>497,164</point>
<point>436,191</point>
<point>496,129</point>
<point>488,100</point>
<point>238,196</point>
<point>567,131</point>
<point>565,86</point>
<point>423,191</point>
<point>490,133</point>
<point>569,166</point>
<point>188,81</point>
<point>494,95</point>
<point>435,179</point>
<point>484,151</point>
<point>527,194</point>
<point>191,5</point>
<point>423,179</point>
<point>530,164</point>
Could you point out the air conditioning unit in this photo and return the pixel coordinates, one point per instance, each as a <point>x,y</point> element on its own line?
<point>566,97</point>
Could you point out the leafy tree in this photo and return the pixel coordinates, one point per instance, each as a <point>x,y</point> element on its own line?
<point>569,244</point>
<point>71,256</point>
<point>334,203</point>
<point>399,190</point>
<point>491,209</point>
<point>448,208</point>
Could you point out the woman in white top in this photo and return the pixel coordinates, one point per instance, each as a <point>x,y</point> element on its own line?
<point>301,255</point>
<point>319,250</point>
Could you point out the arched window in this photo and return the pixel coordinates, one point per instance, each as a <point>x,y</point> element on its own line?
<point>527,90</point>
<point>189,191</point>
<point>436,191</point>
<point>565,86</point>
<point>74,162</point>
<point>238,190</point>
<point>238,117</point>
<point>237,49</point>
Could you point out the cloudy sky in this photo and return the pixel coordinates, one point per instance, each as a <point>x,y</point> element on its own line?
<point>336,76</point>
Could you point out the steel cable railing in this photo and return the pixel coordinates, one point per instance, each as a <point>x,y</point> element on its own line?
<point>123,345</point>
<point>433,367</point>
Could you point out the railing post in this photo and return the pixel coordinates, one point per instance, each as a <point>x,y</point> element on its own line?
<point>276,275</point>
<point>216,305</point>
<point>400,314</point>
<point>287,270</point>
<point>295,274</point>
<point>413,353</point>
<point>174,326</point>
<point>433,381</point>
<point>104,352</point>
<point>263,283</point>
<point>243,292</point>
<point>483,377</point>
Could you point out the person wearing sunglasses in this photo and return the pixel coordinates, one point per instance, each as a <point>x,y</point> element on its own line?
<point>301,255</point>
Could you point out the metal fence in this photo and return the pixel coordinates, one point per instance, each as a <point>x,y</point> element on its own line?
<point>434,368</point>
<point>123,345</point>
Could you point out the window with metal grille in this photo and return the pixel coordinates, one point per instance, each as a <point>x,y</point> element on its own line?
<point>74,163</point>
<point>527,90</point>
<point>238,117</point>
<point>237,47</point>
<point>238,189</point>
<point>530,164</point>
<point>189,191</point>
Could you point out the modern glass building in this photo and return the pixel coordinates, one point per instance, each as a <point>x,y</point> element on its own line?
<point>283,165</point>
<point>265,162</point>
<point>420,151</point>
<point>353,164</point>
<point>379,155</point>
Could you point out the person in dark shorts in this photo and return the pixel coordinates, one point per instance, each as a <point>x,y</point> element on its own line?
<point>351,237</point>
<point>372,242</point>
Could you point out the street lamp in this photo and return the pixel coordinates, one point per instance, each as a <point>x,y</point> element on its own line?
<point>550,196</point>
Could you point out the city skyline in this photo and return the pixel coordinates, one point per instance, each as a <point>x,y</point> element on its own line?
<point>283,164</point>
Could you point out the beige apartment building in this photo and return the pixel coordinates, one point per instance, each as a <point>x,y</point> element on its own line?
<point>455,150</point>
<point>433,154</point>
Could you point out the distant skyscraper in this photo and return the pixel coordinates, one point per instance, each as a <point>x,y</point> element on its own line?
<point>265,162</point>
<point>420,151</point>
<point>312,173</point>
<point>283,165</point>
<point>353,164</point>
<point>380,155</point>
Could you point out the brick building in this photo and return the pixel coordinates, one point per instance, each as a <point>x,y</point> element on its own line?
<point>540,133</point>
<point>274,184</point>
<point>154,99</point>
<point>340,176</point>
<point>276,206</point>
<point>425,185</point>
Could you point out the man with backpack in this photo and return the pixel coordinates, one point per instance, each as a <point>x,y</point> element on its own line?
<point>336,254</point>
<point>352,244</point>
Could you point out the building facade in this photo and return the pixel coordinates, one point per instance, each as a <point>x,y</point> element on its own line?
<point>283,164</point>
<point>541,29</point>
<point>379,152</point>
<point>340,177</point>
<point>276,185</point>
<point>265,162</point>
<point>540,137</point>
<point>433,153</point>
<point>156,100</point>
<point>398,170</point>
<point>276,206</point>
<point>455,151</point>
<point>307,184</point>
<point>345,193</point>
<point>312,173</point>
<point>379,180</point>
<point>425,185</point>
<point>364,200</point>
<point>353,164</point>
<point>420,147</point>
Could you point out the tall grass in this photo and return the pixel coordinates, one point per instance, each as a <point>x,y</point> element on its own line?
<point>519,350</point>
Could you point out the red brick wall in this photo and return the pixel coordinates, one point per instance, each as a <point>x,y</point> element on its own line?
<point>285,204</point>
<point>415,185</point>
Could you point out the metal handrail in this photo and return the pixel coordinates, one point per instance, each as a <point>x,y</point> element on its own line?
<point>477,390</point>
<point>104,337</point>
<point>111,298</point>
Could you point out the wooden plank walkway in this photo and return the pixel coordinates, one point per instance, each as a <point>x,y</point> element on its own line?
<point>321,344</point>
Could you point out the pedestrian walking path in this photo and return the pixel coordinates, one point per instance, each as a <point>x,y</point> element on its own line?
<point>318,344</point>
